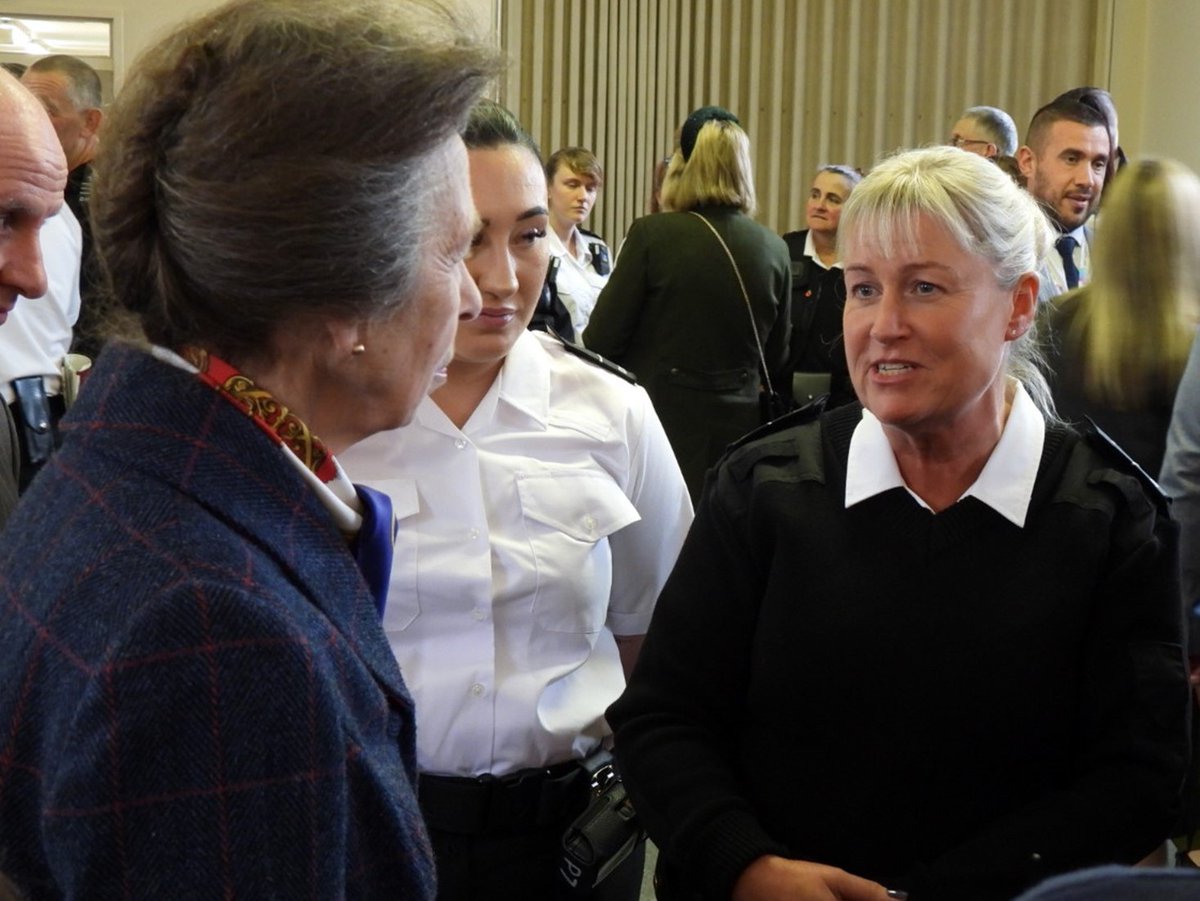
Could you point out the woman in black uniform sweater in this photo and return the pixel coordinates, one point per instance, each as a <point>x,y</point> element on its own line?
<point>819,290</point>
<point>932,642</point>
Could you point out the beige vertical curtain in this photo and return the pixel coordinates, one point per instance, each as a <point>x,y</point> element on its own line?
<point>813,81</point>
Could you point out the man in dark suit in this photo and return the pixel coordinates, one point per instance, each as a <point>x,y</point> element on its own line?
<point>1065,161</point>
<point>33,173</point>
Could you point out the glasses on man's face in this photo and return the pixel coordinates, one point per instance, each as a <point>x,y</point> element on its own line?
<point>960,141</point>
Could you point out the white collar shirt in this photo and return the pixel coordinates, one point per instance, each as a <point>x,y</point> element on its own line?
<point>37,333</point>
<point>527,540</point>
<point>1005,484</point>
<point>338,495</point>
<point>578,282</point>
<point>810,251</point>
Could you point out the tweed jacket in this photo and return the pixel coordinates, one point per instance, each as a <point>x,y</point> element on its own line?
<point>196,697</point>
<point>672,312</point>
<point>10,465</point>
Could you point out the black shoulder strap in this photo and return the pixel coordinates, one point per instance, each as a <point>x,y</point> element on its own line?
<point>789,436</point>
<point>592,357</point>
<point>551,314</point>
<point>1098,440</point>
<point>807,413</point>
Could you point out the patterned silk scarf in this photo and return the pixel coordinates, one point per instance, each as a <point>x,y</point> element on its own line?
<point>372,543</point>
<point>278,422</point>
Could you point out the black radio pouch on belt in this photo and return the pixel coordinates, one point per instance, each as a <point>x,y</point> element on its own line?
<point>34,406</point>
<point>604,834</point>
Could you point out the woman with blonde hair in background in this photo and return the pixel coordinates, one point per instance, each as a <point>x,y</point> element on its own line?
<point>700,297</point>
<point>1117,346</point>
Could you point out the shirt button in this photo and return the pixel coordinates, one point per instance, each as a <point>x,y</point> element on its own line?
<point>473,534</point>
<point>460,443</point>
<point>589,523</point>
<point>478,614</point>
<point>477,690</point>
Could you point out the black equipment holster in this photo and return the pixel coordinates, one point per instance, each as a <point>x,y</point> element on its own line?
<point>34,409</point>
<point>605,834</point>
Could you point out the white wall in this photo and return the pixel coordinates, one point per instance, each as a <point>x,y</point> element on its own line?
<point>1156,77</point>
<point>1155,64</point>
<point>136,23</point>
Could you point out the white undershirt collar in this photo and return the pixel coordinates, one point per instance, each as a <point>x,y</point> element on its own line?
<point>338,495</point>
<point>810,251</point>
<point>1005,484</point>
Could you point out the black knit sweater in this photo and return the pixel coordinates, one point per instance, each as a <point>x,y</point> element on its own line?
<point>946,703</point>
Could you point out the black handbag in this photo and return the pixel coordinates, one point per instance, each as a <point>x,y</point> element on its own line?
<point>771,403</point>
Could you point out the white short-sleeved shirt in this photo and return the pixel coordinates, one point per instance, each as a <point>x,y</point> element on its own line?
<point>527,540</point>
<point>810,251</point>
<point>37,333</point>
<point>578,282</point>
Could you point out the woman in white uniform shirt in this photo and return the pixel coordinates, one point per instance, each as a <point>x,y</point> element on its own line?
<point>574,178</point>
<point>540,510</point>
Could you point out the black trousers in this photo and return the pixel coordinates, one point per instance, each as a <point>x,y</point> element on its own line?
<point>522,867</point>
<point>501,838</point>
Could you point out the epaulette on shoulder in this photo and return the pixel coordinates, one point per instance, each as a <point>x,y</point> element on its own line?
<point>594,358</point>
<point>808,413</point>
<point>1098,440</point>
<point>590,234</point>
<point>741,457</point>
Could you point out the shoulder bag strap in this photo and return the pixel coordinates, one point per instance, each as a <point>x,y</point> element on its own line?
<point>762,358</point>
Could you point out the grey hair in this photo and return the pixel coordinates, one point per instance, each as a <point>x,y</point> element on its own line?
<point>83,84</point>
<point>845,170</point>
<point>979,206</point>
<point>272,160</point>
<point>999,126</point>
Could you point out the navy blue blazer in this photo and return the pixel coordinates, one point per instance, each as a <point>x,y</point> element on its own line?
<point>1119,884</point>
<point>196,697</point>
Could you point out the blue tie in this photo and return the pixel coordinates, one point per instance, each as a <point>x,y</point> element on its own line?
<point>1066,249</point>
<point>372,547</point>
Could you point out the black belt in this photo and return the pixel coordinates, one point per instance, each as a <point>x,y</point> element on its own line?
<point>527,799</point>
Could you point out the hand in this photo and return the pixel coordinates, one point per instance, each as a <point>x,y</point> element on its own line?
<point>772,878</point>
